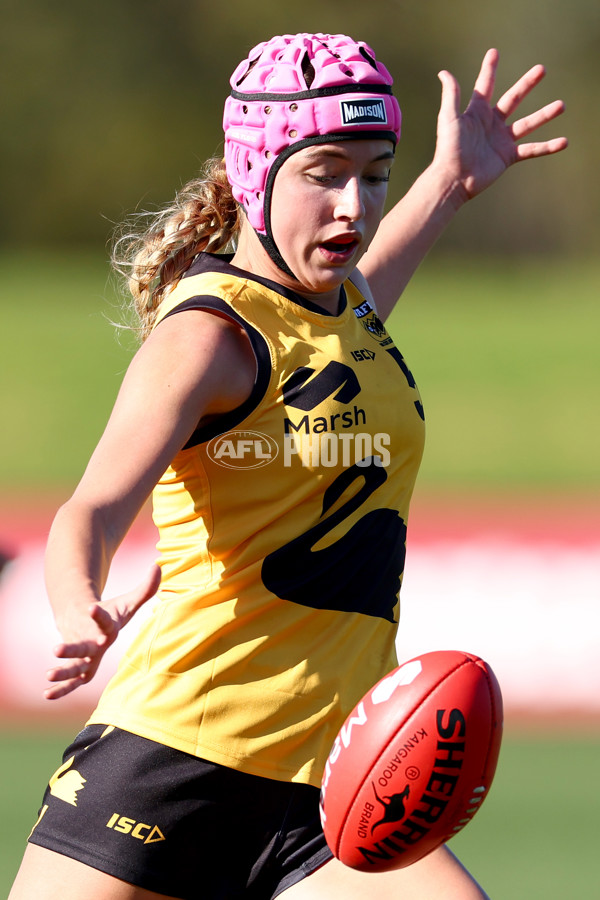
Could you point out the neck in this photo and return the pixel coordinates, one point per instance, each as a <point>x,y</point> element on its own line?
<point>251,256</point>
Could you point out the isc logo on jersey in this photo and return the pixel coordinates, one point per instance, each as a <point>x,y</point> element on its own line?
<point>242,450</point>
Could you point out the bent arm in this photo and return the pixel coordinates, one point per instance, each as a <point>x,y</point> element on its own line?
<point>195,364</point>
<point>407,234</point>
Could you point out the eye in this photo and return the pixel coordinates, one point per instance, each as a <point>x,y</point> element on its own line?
<point>377,178</point>
<point>320,176</point>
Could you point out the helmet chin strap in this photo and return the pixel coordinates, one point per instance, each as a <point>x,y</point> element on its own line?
<point>267,239</point>
<point>271,248</point>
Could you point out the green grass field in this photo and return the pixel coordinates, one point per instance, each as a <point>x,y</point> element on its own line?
<point>535,837</point>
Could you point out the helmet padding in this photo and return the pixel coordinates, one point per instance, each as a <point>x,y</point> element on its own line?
<point>294,91</point>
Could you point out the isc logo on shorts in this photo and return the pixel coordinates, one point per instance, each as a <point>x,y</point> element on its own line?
<point>149,834</point>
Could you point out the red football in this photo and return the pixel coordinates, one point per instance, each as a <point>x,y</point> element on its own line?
<point>413,762</point>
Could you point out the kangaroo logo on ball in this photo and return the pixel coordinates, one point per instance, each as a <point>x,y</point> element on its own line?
<point>394,807</point>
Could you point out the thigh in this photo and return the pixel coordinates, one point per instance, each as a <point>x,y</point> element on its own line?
<point>439,876</point>
<point>46,875</point>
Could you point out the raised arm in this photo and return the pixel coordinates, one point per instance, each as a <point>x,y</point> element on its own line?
<point>194,364</point>
<point>473,149</point>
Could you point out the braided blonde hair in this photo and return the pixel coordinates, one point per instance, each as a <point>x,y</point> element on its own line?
<point>203,216</point>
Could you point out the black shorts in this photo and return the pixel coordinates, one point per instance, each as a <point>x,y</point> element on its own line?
<point>178,825</point>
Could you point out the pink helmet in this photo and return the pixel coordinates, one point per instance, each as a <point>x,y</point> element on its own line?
<point>294,91</point>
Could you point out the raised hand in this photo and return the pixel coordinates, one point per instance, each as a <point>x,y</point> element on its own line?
<point>91,632</point>
<point>478,145</point>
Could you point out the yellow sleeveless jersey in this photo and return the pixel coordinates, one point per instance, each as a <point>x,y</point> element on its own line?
<point>282,530</point>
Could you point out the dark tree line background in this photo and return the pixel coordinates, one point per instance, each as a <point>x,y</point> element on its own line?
<point>108,107</point>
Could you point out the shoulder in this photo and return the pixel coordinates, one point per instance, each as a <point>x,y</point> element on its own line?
<point>361,284</point>
<point>202,350</point>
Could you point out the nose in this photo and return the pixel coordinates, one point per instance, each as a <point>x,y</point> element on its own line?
<point>350,204</point>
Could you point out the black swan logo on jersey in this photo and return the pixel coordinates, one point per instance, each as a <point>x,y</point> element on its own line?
<point>361,570</point>
<point>305,392</point>
<point>394,807</point>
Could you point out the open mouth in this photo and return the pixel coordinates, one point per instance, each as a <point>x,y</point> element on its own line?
<point>341,246</point>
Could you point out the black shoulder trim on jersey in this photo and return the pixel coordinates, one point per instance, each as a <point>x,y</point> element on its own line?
<point>233,418</point>
<point>221,262</point>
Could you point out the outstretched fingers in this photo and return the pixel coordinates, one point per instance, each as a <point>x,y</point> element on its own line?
<point>528,124</point>
<point>513,97</point>
<point>65,679</point>
<point>510,101</point>
<point>522,127</point>
<point>106,618</point>
<point>486,79</point>
<point>540,148</point>
<point>450,102</point>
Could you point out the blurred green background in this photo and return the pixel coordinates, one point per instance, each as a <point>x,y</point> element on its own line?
<point>109,108</point>
<point>505,352</point>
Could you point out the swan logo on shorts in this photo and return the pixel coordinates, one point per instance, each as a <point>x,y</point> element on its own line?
<point>66,782</point>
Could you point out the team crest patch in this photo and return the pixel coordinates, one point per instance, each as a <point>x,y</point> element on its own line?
<point>363,112</point>
<point>375,327</point>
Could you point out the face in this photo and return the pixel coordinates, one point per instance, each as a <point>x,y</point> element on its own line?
<point>327,203</point>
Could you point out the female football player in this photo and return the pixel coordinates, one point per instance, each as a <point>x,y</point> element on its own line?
<point>279,430</point>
